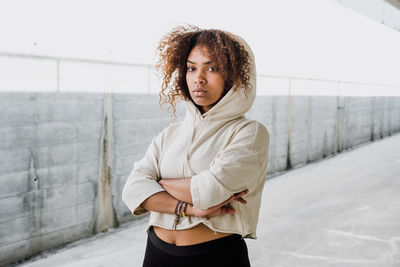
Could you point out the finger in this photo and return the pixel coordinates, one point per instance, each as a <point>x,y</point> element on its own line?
<point>232,198</point>
<point>229,210</point>
<point>235,197</point>
<point>242,193</point>
<point>219,206</point>
<point>241,200</point>
<point>229,200</point>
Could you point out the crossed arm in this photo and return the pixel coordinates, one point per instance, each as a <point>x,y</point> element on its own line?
<point>179,189</point>
<point>239,166</point>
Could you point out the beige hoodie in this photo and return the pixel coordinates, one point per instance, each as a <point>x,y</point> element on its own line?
<point>223,152</point>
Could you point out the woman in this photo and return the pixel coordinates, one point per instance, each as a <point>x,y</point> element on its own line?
<point>202,178</point>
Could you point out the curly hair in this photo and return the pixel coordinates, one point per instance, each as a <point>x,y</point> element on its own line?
<point>231,58</point>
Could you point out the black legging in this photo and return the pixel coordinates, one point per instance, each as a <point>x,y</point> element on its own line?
<point>227,251</point>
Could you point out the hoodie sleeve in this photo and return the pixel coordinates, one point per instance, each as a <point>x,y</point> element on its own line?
<point>242,164</point>
<point>142,181</point>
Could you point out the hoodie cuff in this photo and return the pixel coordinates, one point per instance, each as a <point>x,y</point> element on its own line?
<point>194,185</point>
<point>133,201</point>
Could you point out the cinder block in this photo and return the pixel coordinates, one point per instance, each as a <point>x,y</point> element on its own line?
<point>280,127</point>
<point>55,198</point>
<point>298,153</point>
<point>12,161</point>
<point>32,203</point>
<point>17,97</point>
<point>49,134</point>
<point>124,165</point>
<point>57,110</point>
<point>90,111</point>
<point>15,251</point>
<point>139,127</point>
<point>63,154</point>
<point>89,130</point>
<point>67,107</point>
<point>57,176</point>
<point>86,212</point>
<point>129,146</point>
<point>132,145</point>
<point>56,155</point>
<point>12,208</point>
<point>88,171</point>
<point>298,136</point>
<point>300,120</point>
<point>14,137</point>
<point>395,115</point>
<point>122,211</point>
<point>13,183</point>
<point>86,192</point>
<point>281,162</point>
<point>118,185</point>
<point>89,150</point>
<point>55,220</point>
<point>31,246</point>
<point>15,230</point>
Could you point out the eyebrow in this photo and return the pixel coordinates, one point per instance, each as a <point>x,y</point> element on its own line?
<point>205,63</point>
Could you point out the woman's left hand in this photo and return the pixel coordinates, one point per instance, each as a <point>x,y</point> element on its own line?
<point>221,209</point>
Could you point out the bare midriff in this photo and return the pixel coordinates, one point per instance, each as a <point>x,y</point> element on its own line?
<point>198,234</point>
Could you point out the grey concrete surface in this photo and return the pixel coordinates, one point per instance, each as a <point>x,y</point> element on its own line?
<point>64,157</point>
<point>49,168</point>
<point>343,211</point>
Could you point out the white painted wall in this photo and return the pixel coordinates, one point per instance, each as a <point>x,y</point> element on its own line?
<point>311,39</point>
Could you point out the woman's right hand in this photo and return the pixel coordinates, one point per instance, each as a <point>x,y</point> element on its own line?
<point>221,209</point>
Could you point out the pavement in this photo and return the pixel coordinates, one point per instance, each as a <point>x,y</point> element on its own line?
<point>341,211</point>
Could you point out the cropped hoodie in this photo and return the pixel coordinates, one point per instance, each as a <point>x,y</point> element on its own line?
<point>223,152</point>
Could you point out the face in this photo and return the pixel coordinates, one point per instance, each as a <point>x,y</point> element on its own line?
<point>204,80</point>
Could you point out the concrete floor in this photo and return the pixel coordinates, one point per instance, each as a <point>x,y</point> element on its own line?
<point>343,211</point>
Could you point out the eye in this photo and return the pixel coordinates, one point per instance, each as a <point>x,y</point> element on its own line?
<point>189,68</point>
<point>211,68</point>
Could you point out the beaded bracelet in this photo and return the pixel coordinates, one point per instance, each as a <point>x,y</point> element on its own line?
<point>178,207</point>
<point>184,209</point>
<point>180,211</point>
<point>177,213</point>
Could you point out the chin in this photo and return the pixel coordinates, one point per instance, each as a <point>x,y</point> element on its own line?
<point>201,103</point>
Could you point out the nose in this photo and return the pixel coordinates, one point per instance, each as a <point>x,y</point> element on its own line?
<point>200,79</point>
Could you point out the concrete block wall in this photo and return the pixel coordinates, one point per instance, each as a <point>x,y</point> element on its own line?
<point>64,157</point>
<point>308,128</point>
<point>49,167</point>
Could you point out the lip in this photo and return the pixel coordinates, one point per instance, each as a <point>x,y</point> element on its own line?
<point>199,92</point>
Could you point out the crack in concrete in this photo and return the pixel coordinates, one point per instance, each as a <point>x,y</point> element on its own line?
<point>388,258</point>
<point>350,234</point>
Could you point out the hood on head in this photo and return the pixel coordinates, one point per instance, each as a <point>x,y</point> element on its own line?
<point>235,103</point>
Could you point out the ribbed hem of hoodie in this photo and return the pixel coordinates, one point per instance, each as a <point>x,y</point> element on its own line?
<point>194,191</point>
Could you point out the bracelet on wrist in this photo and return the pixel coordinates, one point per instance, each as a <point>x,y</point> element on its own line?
<point>180,211</point>
<point>184,209</point>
